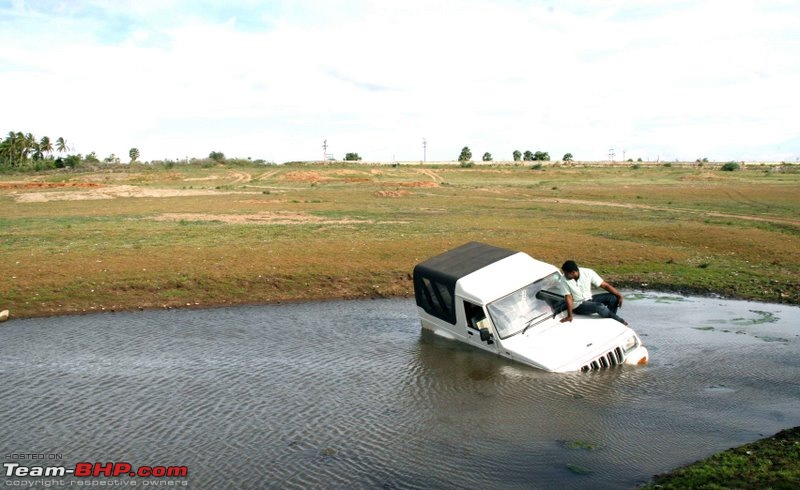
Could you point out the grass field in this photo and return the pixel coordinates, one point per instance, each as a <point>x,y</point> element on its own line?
<point>144,236</point>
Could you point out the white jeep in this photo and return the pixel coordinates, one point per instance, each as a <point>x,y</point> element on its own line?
<point>510,304</point>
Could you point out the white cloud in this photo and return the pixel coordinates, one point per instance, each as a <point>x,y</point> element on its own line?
<point>670,80</point>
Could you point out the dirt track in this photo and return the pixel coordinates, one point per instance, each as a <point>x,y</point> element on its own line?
<point>98,192</point>
<point>789,221</point>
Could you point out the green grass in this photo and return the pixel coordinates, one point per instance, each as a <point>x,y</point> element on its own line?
<point>770,463</point>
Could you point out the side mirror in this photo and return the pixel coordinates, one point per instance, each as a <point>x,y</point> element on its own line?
<point>485,335</point>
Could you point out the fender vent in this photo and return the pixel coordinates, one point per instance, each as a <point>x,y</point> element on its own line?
<point>610,359</point>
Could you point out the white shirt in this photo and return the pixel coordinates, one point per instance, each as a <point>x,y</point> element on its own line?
<point>581,288</point>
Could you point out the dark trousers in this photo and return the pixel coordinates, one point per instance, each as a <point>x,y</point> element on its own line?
<point>604,304</point>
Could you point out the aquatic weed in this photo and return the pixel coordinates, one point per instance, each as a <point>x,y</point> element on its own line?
<point>579,470</point>
<point>588,446</point>
<point>763,317</point>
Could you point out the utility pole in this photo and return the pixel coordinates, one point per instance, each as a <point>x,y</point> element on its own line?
<point>424,150</point>
<point>611,155</point>
<point>324,150</point>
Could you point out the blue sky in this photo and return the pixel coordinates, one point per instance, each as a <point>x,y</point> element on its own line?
<point>653,79</point>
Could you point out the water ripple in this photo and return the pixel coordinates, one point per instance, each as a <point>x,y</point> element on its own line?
<point>354,395</point>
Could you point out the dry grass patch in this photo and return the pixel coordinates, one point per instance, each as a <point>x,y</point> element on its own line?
<point>701,176</point>
<point>391,193</point>
<point>424,184</point>
<point>264,217</point>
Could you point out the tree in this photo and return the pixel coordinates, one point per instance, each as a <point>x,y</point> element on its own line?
<point>487,157</point>
<point>517,155</point>
<point>29,144</point>
<point>528,156</point>
<point>45,145</point>
<point>72,161</point>
<point>567,157</point>
<point>542,156</point>
<point>61,145</point>
<point>11,149</point>
<point>134,154</point>
<point>7,150</point>
<point>37,152</point>
<point>466,155</point>
<point>217,156</point>
<point>352,157</point>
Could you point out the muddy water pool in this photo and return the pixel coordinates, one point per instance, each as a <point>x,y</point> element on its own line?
<point>352,394</point>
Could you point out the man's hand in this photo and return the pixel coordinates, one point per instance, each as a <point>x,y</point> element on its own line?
<point>568,318</point>
<point>611,289</point>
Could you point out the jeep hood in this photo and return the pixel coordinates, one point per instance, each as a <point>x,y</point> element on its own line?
<point>561,347</point>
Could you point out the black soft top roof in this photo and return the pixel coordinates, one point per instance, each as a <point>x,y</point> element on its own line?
<point>446,269</point>
<point>454,264</point>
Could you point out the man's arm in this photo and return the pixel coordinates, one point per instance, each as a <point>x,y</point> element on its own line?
<point>611,289</point>
<point>568,318</point>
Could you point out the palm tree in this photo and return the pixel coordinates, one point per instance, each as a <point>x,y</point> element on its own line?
<point>15,148</point>
<point>8,150</point>
<point>29,144</point>
<point>5,151</point>
<point>45,145</point>
<point>61,145</point>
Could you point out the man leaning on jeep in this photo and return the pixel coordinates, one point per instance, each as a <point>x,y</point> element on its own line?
<point>577,284</point>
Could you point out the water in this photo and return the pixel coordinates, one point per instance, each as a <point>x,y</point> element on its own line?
<point>352,394</point>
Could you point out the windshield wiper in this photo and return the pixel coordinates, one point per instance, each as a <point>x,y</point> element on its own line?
<point>530,323</point>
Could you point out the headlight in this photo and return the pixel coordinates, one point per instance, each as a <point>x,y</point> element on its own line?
<point>629,343</point>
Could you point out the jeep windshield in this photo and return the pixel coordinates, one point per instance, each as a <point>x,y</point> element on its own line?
<point>528,306</point>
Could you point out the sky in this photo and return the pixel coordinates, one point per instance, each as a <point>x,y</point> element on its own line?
<point>406,80</point>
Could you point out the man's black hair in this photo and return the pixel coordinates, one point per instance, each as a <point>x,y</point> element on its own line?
<point>569,266</point>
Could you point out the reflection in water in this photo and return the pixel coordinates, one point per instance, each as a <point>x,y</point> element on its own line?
<point>354,394</point>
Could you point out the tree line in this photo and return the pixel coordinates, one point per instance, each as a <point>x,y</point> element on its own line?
<point>528,156</point>
<point>24,150</point>
<point>18,149</point>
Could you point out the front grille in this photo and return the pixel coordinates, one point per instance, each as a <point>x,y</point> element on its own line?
<point>610,359</point>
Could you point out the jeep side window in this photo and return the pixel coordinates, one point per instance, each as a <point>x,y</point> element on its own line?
<point>474,314</point>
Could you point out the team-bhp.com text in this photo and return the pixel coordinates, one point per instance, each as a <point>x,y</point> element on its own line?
<point>89,470</point>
